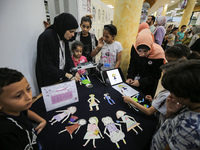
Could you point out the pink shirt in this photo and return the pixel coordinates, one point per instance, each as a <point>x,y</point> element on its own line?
<point>82,59</point>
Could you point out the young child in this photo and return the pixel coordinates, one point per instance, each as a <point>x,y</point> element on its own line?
<point>180,51</point>
<point>110,49</point>
<point>181,130</point>
<point>181,35</point>
<point>158,103</point>
<point>16,131</point>
<point>77,57</point>
<point>88,39</point>
<point>171,37</point>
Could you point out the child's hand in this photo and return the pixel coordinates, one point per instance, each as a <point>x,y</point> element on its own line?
<point>129,81</point>
<point>100,43</point>
<point>149,98</point>
<point>127,99</point>
<point>39,128</point>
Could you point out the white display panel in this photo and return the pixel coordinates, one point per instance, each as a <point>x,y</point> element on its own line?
<point>59,95</point>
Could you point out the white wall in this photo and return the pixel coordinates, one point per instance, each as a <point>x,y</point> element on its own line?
<point>21,24</point>
<point>57,7</point>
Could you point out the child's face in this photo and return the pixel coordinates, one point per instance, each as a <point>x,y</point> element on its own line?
<point>16,97</point>
<point>85,27</point>
<point>78,52</point>
<point>175,31</point>
<point>183,29</point>
<point>92,120</point>
<point>107,37</point>
<point>170,59</point>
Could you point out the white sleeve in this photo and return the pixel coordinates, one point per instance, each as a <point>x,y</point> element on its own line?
<point>119,47</point>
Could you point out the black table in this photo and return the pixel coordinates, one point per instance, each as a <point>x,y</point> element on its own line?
<point>51,140</point>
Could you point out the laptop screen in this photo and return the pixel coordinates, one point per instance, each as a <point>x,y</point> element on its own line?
<point>114,76</point>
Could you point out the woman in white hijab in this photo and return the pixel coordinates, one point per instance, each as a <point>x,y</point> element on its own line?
<point>196,34</point>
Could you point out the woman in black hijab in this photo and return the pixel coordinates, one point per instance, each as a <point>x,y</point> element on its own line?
<point>53,55</point>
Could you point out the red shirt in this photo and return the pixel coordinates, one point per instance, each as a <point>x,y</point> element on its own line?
<point>82,59</point>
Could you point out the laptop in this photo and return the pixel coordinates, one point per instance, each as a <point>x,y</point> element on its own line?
<point>115,78</point>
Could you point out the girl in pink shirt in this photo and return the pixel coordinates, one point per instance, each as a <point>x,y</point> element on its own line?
<point>77,57</point>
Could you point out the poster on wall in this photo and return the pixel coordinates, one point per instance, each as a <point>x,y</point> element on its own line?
<point>86,6</point>
<point>93,13</point>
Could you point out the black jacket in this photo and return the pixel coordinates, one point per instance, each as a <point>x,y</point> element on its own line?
<point>148,70</point>
<point>17,133</point>
<point>47,63</point>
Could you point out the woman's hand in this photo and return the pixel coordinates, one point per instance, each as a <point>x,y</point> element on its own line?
<point>129,81</point>
<point>135,83</point>
<point>39,128</point>
<point>77,77</point>
<point>70,76</point>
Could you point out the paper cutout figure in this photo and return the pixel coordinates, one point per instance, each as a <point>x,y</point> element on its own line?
<point>72,119</point>
<point>93,131</point>
<point>131,123</point>
<point>74,127</point>
<point>108,98</point>
<point>92,102</point>
<point>65,114</point>
<point>85,81</point>
<point>145,105</point>
<point>130,104</point>
<point>135,98</point>
<point>114,134</point>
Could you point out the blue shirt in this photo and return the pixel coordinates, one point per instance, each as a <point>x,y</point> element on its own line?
<point>181,132</point>
<point>181,36</point>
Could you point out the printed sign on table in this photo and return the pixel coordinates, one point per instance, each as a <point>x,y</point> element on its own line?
<point>59,95</point>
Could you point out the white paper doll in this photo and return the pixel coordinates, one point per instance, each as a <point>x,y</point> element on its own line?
<point>74,127</point>
<point>130,121</point>
<point>92,102</point>
<point>93,131</point>
<point>114,134</point>
<point>108,98</point>
<point>65,114</point>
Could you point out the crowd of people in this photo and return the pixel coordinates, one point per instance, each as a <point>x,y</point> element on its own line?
<point>157,50</point>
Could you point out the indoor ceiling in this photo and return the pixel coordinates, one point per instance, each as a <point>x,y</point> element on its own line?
<point>172,4</point>
<point>179,12</point>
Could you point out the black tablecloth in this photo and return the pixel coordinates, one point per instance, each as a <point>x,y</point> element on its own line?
<point>51,140</point>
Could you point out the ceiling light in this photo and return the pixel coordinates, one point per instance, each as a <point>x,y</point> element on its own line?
<point>172,1</point>
<point>110,6</point>
<point>177,9</point>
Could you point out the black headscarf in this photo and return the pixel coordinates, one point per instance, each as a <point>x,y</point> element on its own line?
<point>111,28</point>
<point>64,22</point>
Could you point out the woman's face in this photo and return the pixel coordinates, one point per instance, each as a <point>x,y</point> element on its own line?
<point>143,52</point>
<point>69,34</point>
